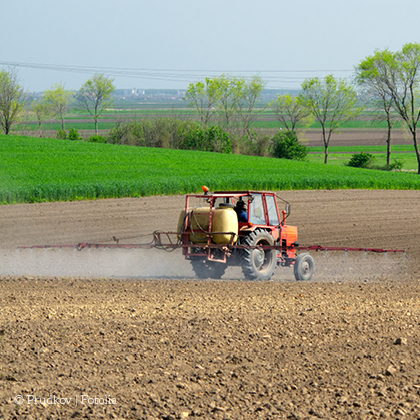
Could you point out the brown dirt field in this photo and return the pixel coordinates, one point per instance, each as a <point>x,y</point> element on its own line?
<point>356,137</point>
<point>132,334</point>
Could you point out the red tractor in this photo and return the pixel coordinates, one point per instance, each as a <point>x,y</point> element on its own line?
<point>240,228</point>
<point>237,228</point>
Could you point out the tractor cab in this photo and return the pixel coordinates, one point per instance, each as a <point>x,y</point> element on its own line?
<point>263,209</point>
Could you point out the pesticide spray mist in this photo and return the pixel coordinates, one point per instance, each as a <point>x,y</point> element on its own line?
<point>154,263</point>
<point>103,262</point>
<point>359,266</point>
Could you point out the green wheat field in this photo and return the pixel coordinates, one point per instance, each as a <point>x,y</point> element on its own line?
<point>40,169</point>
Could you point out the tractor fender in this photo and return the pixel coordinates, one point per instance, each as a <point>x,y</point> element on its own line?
<point>249,229</point>
<point>272,230</point>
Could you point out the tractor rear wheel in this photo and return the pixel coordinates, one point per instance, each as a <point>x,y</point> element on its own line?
<point>208,270</point>
<point>304,267</point>
<point>258,264</point>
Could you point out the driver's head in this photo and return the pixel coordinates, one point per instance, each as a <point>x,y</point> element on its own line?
<point>240,205</point>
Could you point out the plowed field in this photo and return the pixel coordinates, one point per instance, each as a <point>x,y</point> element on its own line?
<point>130,334</point>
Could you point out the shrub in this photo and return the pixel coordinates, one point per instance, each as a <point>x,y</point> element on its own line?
<point>96,138</point>
<point>74,134</point>
<point>171,133</point>
<point>159,132</point>
<point>62,134</point>
<point>397,165</point>
<point>261,145</point>
<point>210,139</point>
<point>218,140</point>
<point>120,133</point>
<point>285,145</point>
<point>258,145</point>
<point>361,160</point>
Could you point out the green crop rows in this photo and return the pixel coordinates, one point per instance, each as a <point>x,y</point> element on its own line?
<point>265,119</point>
<point>35,170</point>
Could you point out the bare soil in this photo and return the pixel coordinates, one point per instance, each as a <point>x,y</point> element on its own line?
<point>357,137</point>
<point>130,334</point>
<point>346,137</point>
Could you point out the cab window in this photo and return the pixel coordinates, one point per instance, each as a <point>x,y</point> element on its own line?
<point>272,210</point>
<point>257,210</point>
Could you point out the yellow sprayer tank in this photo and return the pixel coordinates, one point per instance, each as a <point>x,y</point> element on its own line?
<point>195,220</point>
<point>225,220</point>
<point>199,221</point>
<point>180,223</point>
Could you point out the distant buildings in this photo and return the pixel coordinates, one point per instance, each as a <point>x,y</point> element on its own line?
<point>149,94</point>
<point>134,94</point>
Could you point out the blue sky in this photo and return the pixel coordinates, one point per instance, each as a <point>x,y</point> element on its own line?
<point>168,43</point>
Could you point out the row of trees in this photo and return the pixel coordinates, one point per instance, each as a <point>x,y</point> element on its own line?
<point>391,81</point>
<point>230,103</point>
<point>94,96</point>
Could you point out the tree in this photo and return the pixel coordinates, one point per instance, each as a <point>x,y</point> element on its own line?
<point>400,73</point>
<point>291,111</point>
<point>11,99</point>
<point>233,99</point>
<point>372,74</point>
<point>332,102</point>
<point>41,111</point>
<point>251,91</point>
<point>229,93</point>
<point>95,95</point>
<point>203,96</point>
<point>57,99</point>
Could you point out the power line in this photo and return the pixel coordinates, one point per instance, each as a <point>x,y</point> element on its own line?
<point>287,78</point>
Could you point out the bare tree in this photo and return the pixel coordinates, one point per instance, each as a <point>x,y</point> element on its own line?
<point>12,99</point>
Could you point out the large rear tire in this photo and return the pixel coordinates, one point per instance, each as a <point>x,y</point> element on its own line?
<point>304,267</point>
<point>258,264</point>
<point>208,270</point>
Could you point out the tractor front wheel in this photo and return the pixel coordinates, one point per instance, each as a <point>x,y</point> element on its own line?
<point>304,267</point>
<point>258,264</point>
<point>208,270</point>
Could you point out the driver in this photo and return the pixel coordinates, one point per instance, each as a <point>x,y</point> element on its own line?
<point>241,211</point>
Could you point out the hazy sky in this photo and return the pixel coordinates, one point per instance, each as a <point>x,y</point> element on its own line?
<point>168,43</point>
